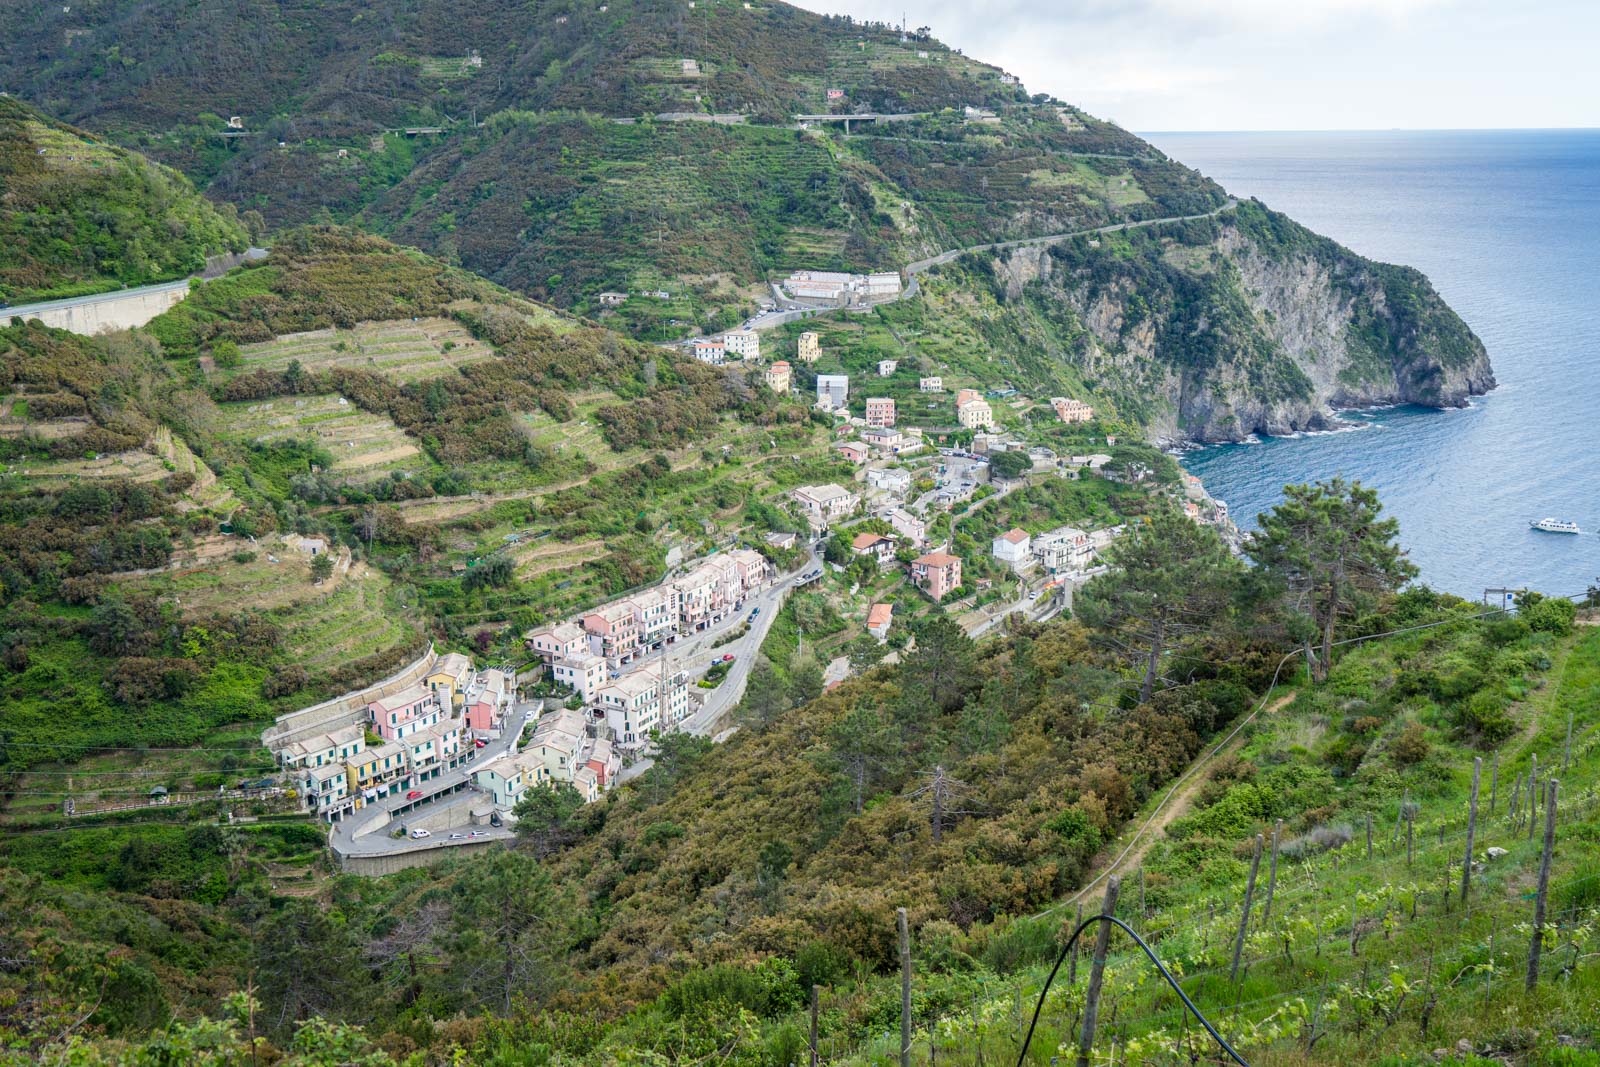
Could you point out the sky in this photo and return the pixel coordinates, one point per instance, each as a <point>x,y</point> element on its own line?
<point>1159,65</point>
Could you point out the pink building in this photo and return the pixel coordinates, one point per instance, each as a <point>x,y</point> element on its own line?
<point>613,632</point>
<point>1069,410</point>
<point>561,641</point>
<point>880,411</point>
<point>937,573</point>
<point>409,711</point>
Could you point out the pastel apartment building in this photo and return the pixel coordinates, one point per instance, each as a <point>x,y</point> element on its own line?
<point>714,353</point>
<point>742,344</point>
<point>810,348</point>
<point>914,528</point>
<point>584,674</point>
<point>975,414</point>
<point>631,706</point>
<point>325,790</point>
<point>823,505</point>
<point>934,384</point>
<point>323,750</point>
<point>778,377</point>
<point>449,679</point>
<point>504,780</point>
<point>1069,410</point>
<point>376,772</point>
<point>936,573</point>
<point>753,568</point>
<point>487,701</point>
<point>880,411</point>
<point>560,641</point>
<point>407,712</point>
<point>854,451</point>
<point>890,440</point>
<point>613,633</point>
<point>655,614</point>
<point>890,480</point>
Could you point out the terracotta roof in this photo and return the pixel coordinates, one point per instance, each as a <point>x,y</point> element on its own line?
<point>867,540</point>
<point>937,559</point>
<point>1016,537</point>
<point>879,615</point>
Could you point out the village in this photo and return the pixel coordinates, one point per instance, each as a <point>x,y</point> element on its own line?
<point>445,759</point>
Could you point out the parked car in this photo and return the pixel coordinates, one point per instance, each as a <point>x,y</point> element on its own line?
<point>419,834</point>
<point>494,819</point>
<point>458,837</point>
<point>481,833</point>
<point>478,742</point>
<point>414,794</point>
<point>728,658</point>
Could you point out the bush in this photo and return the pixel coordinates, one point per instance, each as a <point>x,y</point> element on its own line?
<point>1551,616</point>
<point>1412,746</point>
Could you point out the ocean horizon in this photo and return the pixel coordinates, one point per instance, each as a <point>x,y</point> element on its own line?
<point>1506,224</point>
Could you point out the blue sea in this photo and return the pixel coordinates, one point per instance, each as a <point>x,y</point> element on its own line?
<point>1507,226</point>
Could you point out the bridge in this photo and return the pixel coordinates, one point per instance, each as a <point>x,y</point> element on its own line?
<point>866,116</point>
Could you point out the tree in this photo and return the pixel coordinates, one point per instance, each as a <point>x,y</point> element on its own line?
<point>941,670</point>
<point>1169,579</point>
<point>1328,553</point>
<point>1009,465</point>
<point>859,744</point>
<point>321,567</point>
<point>544,817</point>
<point>507,927</point>
<point>772,866</point>
<point>765,698</point>
<point>308,963</point>
<point>805,681</point>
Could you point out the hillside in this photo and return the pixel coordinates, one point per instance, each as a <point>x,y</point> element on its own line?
<point>543,169</point>
<point>79,215</point>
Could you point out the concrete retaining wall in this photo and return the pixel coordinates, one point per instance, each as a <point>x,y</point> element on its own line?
<point>104,313</point>
<point>345,710</point>
<point>390,863</point>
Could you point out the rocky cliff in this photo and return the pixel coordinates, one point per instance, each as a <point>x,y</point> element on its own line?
<point>1247,323</point>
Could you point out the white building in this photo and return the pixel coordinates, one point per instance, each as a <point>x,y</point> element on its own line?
<point>834,389</point>
<point>631,706</point>
<point>886,367</point>
<point>1064,549</point>
<point>934,384</point>
<point>890,480</point>
<point>824,505</point>
<point>714,353</point>
<point>1013,548</point>
<point>584,673</point>
<point>881,284</point>
<point>743,344</point>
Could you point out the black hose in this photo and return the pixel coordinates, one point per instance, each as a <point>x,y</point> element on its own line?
<point>1148,951</point>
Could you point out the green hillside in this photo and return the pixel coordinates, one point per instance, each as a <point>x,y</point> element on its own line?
<point>82,216</point>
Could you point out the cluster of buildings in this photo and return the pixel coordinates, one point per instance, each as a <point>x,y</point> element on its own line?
<point>735,344</point>
<point>841,288</point>
<point>562,750</point>
<point>422,731</point>
<point>1064,550</point>
<point>591,655</point>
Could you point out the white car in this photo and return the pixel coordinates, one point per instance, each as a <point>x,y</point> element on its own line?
<point>419,834</point>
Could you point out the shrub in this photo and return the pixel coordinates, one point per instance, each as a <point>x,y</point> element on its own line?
<point>1412,746</point>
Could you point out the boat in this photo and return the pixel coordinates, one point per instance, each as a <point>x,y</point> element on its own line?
<point>1556,526</point>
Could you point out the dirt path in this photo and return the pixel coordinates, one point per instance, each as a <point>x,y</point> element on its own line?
<point>1175,804</point>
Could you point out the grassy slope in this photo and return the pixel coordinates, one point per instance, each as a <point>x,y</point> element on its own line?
<point>81,216</point>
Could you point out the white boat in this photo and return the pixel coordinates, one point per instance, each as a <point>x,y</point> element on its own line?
<point>1556,526</point>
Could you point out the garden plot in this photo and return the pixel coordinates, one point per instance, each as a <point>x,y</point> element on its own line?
<point>359,441</point>
<point>354,621</point>
<point>14,421</point>
<point>225,575</point>
<point>139,465</point>
<point>404,350</point>
<point>206,492</point>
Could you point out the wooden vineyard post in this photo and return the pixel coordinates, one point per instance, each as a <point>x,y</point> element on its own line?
<point>1072,965</point>
<point>1533,803</point>
<point>1566,752</point>
<point>1411,825</point>
<point>905,987</point>
<point>814,999</point>
<point>1244,916</point>
<point>1472,826</point>
<point>1272,871</point>
<point>1494,781</point>
<point>1536,944</point>
<point>1369,835</point>
<point>1097,973</point>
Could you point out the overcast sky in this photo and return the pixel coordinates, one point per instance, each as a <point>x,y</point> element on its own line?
<point>1284,64</point>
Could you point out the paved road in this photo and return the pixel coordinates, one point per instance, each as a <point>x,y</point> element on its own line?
<point>215,267</point>
<point>791,312</point>
<point>365,833</point>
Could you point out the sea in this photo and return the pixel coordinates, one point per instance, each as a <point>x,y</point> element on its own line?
<point>1507,226</point>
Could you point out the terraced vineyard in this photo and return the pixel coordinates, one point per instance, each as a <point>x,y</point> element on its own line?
<point>359,441</point>
<point>357,619</point>
<point>406,351</point>
<point>227,574</point>
<point>138,465</point>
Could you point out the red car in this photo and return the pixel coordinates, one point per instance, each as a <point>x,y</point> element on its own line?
<point>728,658</point>
<point>479,742</point>
<point>414,794</point>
